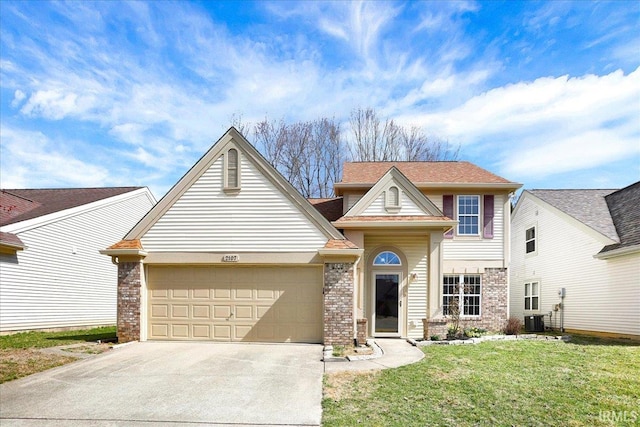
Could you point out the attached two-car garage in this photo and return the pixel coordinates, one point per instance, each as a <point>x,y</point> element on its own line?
<point>235,303</point>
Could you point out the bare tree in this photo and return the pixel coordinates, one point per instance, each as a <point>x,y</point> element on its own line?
<point>418,147</point>
<point>308,154</point>
<point>376,141</point>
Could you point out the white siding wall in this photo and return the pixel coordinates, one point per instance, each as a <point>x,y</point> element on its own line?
<point>415,250</point>
<point>601,295</point>
<point>476,248</point>
<point>258,218</point>
<point>408,207</point>
<point>47,285</point>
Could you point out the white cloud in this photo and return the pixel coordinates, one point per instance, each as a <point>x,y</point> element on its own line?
<point>554,125</point>
<point>30,159</point>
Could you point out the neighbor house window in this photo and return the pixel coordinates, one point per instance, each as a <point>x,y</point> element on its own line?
<point>468,215</point>
<point>232,170</point>
<point>531,296</point>
<point>530,240</point>
<point>463,289</point>
<point>387,258</point>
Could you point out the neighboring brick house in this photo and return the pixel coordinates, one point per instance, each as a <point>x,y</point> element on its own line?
<point>586,242</point>
<point>51,273</point>
<point>234,253</point>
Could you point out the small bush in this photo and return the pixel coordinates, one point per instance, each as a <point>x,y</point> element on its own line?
<point>474,332</point>
<point>435,337</point>
<point>513,326</point>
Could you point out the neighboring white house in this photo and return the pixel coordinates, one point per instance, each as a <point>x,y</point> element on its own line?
<point>234,253</point>
<point>51,273</point>
<point>586,242</point>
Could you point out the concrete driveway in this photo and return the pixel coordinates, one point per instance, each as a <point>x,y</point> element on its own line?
<point>178,383</point>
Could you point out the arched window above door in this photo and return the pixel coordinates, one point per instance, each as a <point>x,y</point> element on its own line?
<point>387,258</point>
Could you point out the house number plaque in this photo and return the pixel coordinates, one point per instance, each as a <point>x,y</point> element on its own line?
<point>230,258</point>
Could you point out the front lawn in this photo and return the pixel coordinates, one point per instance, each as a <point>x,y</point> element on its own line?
<point>20,355</point>
<point>586,382</point>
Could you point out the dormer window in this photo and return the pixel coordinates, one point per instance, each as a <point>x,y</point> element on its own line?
<point>392,199</point>
<point>232,170</point>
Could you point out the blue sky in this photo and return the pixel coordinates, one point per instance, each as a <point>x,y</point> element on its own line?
<point>111,94</point>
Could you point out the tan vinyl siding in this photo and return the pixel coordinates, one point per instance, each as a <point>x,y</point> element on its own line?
<point>258,218</point>
<point>415,250</point>
<point>377,208</point>
<point>601,295</point>
<point>48,285</point>
<point>478,248</point>
<point>352,199</point>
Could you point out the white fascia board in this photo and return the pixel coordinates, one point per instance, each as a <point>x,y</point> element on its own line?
<point>40,221</point>
<point>396,224</point>
<point>618,252</point>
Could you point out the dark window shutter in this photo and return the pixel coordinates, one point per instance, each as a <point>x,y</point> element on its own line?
<point>447,209</point>
<point>487,224</point>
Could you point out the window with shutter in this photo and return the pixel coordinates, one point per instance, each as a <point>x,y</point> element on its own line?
<point>487,223</point>
<point>447,209</point>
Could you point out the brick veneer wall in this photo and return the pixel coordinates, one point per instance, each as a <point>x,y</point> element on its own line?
<point>338,304</point>
<point>494,310</point>
<point>129,301</point>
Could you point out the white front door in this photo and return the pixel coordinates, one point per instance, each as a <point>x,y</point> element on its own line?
<point>387,309</point>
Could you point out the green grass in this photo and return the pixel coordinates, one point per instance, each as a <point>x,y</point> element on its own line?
<point>523,383</point>
<point>52,339</point>
<point>20,354</point>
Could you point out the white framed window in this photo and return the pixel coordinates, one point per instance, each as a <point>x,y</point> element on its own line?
<point>387,258</point>
<point>532,296</point>
<point>232,170</point>
<point>468,215</point>
<point>530,240</point>
<point>466,289</point>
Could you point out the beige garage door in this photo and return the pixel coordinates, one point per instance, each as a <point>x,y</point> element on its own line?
<point>268,304</point>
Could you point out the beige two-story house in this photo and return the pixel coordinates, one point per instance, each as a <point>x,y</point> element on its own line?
<point>234,253</point>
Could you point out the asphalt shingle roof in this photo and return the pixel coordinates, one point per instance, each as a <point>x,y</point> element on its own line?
<point>22,204</point>
<point>624,206</point>
<point>420,172</point>
<point>587,206</point>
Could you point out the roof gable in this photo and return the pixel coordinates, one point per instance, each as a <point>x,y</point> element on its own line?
<point>586,206</point>
<point>17,205</point>
<point>233,139</point>
<point>412,199</point>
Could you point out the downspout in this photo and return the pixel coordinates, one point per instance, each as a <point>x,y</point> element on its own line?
<point>356,295</point>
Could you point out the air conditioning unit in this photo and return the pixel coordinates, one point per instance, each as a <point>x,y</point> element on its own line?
<point>534,323</point>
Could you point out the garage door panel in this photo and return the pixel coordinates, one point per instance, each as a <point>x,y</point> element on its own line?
<point>201,331</point>
<point>201,312</point>
<point>179,330</point>
<point>201,294</point>
<point>222,332</point>
<point>160,311</point>
<point>222,293</point>
<point>221,312</point>
<point>179,293</point>
<point>159,331</point>
<point>271,304</point>
<point>179,311</point>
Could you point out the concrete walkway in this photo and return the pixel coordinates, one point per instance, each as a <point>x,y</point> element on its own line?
<point>395,352</point>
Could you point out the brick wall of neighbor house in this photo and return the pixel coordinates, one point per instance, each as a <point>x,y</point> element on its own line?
<point>129,301</point>
<point>494,310</point>
<point>338,304</point>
